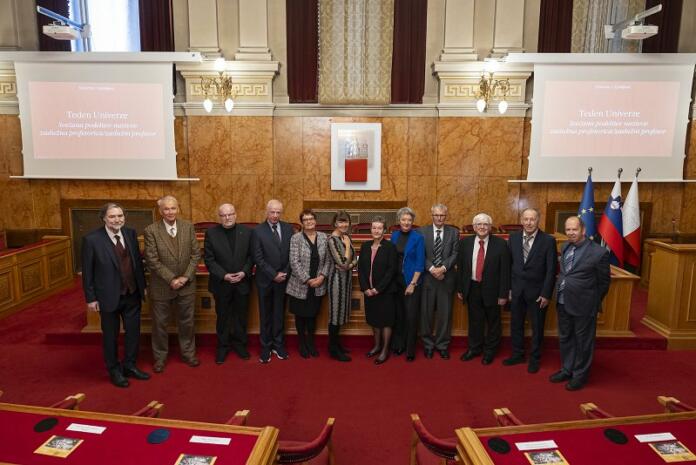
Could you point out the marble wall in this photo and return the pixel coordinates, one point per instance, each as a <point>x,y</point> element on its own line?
<point>462,162</point>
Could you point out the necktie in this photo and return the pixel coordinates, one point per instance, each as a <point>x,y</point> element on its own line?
<point>172,232</point>
<point>119,244</point>
<point>438,249</point>
<point>479,260</point>
<point>276,234</point>
<point>567,265</point>
<point>526,247</point>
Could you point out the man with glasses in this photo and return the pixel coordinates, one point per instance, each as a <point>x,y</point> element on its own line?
<point>228,258</point>
<point>483,262</point>
<point>441,245</point>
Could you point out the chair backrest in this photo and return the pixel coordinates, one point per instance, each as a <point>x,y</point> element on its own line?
<point>508,228</point>
<point>674,405</point>
<point>302,452</point>
<point>203,225</point>
<point>325,228</point>
<point>70,402</point>
<point>437,446</point>
<point>592,412</point>
<point>505,417</point>
<point>361,228</point>
<point>3,240</point>
<point>239,418</point>
<point>251,225</point>
<point>151,410</point>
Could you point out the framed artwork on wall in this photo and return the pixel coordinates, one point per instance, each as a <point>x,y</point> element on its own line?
<point>356,158</point>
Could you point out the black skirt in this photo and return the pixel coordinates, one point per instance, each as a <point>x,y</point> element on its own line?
<point>308,307</point>
<point>380,310</point>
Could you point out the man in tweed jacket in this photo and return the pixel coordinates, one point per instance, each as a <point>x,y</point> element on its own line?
<point>171,255</point>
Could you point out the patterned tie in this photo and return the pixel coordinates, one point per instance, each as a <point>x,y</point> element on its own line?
<point>172,232</point>
<point>438,249</point>
<point>276,234</point>
<point>479,260</point>
<point>525,247</point>
<point>567,265</point>
<point>119,244</point>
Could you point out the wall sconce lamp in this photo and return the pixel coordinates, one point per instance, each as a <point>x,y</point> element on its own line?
<point>488,87</point>
<point>219,87</point>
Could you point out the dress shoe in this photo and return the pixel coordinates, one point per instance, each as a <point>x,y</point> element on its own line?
<point>134,372</point>
<point>340,356</point>
<point>444,354</point>
<point>242,353</point>
<point>514,360</point>
<point>559,377</point>
<point>304,353</point>
<point>312,349</point>
<point>380,360</point>
<point>281,353</point>
<point>428,353</point>
<point>469,355</point>
<point>220,356</point>
<point>117,378</point>
<point>265,356</point>
<point>410,358</point>
<point>192,362</point>
<point>343,348</point>
<point>487,359</point>
<point>372,353</point>
<point>533,366</point>
<point>158,366</point>
<point>574,385</point>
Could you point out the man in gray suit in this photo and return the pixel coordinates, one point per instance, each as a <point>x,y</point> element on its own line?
<point>582,284</point>
<point>171,254</point>
<point>441,246</point>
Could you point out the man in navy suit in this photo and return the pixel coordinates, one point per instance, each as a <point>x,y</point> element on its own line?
<point>534,262</point>
<point>483,264</point>
<point>271,252</point>
<point>582,285</point>
<point>114,285</point>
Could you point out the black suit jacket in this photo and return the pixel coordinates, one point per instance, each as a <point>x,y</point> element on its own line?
<point>384,268</point>
<point>269,256</point>
<point>495,283</point>
<point>535,277</point>
<point>587,282</point>
<point>101,270</point>
<point>221,259</point>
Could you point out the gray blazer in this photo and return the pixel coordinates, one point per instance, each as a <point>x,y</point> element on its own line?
<point>300,255</point>
<point>587,282</point>
<point>450,247</point>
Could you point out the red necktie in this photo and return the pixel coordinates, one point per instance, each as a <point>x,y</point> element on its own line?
<point>479,261</point>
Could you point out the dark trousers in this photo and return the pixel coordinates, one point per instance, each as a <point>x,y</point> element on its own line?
<point>576,338</point>
<point>406,322</point>
<point>128,310</point>
<point>484,323</point>
<point>436,313</point>
<point>232,311</point>
<point>272,316</point>
<point>520,308</point>
<point>306,325</point>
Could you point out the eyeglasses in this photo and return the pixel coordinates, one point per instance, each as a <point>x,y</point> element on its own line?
<point>227,215</point>
<point>439,216</point>
<point>481,225</point>
<point>309,218</point>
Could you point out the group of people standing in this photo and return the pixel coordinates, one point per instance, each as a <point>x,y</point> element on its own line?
<point>408,285</point>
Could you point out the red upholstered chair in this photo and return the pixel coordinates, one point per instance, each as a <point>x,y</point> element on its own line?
<point>151,410</point>
<point>427,449</point>
<point>505,417</point>
<point>70,402</point>
<point>319,451</point>
<point>468,229</point>
<point>251,225</point>
<point>361,228</point>
<point>239,418</point>
<point>297,227</point>
<point>508,228</point>
<point>325,228</point>
<point>673,405</point>
<point>592,412</point>
<point>203,225</point>
<point>3,240</point>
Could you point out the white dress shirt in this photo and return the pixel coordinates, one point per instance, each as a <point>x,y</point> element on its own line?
<point>169,228</point>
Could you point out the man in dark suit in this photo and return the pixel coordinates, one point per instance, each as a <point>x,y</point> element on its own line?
<point>582,285</point>
<point>114,285</point>
<point>483,262</point>
<point>228,258</point>
<point>534,261</point>
<point>271,252</point>
<point>441,245</point>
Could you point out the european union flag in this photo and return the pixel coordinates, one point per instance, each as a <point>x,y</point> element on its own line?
<point>586,210</point>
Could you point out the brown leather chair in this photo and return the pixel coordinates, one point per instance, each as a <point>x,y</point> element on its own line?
<point>427,449</point>
<point>70,402</point>
<point>318,451</point>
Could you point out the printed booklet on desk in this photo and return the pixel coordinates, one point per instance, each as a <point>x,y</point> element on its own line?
<point>546,457</point>
<point>187,459</point>
<point>58,446</point>
<point>672,451</point>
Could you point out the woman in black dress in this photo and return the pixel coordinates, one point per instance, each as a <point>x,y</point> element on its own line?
<point>377,268</point>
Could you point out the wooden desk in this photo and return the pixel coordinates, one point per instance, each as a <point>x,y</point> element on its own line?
<point>581,442</point>
<point>124,440</point>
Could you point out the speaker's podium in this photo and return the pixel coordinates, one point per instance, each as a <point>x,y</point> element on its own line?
<point>672,294</point>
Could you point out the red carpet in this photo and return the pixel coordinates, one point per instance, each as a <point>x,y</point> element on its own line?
<point>371,404</point>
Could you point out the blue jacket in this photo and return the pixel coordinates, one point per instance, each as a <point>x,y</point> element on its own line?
<point>414,255</point>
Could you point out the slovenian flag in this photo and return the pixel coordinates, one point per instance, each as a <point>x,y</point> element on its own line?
<point>586,210</point>
<point>631,226</point>
<point>611,225</point>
